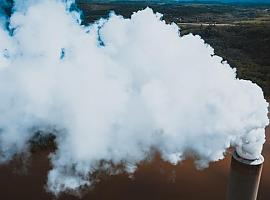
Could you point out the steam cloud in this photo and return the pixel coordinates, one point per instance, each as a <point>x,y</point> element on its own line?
<point>115,89</point>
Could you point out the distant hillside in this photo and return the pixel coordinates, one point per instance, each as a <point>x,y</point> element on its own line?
<point>230,1</point>
<point>195,1</point>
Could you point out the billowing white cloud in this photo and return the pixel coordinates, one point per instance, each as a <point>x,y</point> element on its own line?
<point>117,88</point>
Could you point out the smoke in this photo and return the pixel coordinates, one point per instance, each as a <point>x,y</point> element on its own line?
<point>116,89</point>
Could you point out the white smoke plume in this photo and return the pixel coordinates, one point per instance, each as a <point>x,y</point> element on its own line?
<point>116,89</point>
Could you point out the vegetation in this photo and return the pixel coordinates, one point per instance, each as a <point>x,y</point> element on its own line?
<point>41,141</point>
<point>240,33</point>
<point>245,47</point>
